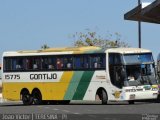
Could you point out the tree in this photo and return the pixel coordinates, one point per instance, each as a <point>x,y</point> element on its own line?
<point>92,39</point>
<point>45,46</point>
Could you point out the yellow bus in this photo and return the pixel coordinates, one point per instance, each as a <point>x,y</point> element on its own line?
<point>80,73</point>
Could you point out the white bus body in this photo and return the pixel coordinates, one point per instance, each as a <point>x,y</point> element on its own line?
<point>115,74</point>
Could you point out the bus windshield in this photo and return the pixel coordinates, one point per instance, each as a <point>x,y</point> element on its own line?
<point>138,58</point>
<point>140,69</point>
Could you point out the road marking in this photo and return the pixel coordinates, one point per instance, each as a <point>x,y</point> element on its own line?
<point>40,106</point>
<point>55,109</point>
<point>70,112</point>
<point>66,111</point>
<point>46,107</point>
<point>76,113</point>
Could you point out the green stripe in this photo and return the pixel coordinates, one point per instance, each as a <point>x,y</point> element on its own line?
<point>83,85</point>
<point>73,85</point>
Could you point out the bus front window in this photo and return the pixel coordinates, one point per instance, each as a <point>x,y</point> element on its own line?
<point>140,69</point>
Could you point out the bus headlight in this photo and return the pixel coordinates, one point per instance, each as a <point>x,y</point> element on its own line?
<point>155,89</point>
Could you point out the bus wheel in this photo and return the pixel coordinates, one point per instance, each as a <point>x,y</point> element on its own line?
<point>37,97</point>
<point>104,97</point>
<point>131,102</point>
<point>101,95</point>
<point>26,98</point>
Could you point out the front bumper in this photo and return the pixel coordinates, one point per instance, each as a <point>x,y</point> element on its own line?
<point>145,95</point>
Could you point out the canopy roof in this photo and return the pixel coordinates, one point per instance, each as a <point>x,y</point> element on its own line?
<point>150,13</point>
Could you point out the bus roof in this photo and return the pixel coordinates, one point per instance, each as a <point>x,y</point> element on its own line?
<point>67,50</point>
<point>74,50</point>
<point>128,50</point>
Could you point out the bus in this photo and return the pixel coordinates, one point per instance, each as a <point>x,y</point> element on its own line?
<point>79,73</point>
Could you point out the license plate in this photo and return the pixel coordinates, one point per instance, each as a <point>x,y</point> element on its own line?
<point>132,97</point>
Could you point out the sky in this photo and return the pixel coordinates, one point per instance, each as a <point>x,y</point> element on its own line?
<point>28,24</point>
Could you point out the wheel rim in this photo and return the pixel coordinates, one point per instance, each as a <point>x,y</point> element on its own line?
<point>37,99</point>
<point>26,98</point>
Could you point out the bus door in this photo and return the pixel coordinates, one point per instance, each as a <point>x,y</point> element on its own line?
<point>115,70</point>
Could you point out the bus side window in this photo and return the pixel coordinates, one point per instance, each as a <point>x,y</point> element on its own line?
<point>44,63</point>
<point>28,64</point>
<point>8,65</point>
<point>59,63</point>
<point>78,62</point>
<point>86,63</point>
<point>36,63</point>
<point>68,62</point>
<point>13,61</point>
<point>97,61</point>
<point>51,63</point>
<point>19,63</point>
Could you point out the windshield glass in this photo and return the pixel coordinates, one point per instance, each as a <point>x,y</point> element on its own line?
<point>132,69</point>
<point>140,69</point>
<point>140,74</point>
<point>137,58</point>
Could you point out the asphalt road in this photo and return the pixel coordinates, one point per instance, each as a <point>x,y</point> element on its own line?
<point>79,110</point>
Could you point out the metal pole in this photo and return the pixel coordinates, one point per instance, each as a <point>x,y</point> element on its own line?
<point>139,28</point>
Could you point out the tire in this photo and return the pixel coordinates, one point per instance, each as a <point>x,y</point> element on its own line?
<point>131,102</point>
<point>26,98</point>
<point>104,98</point>
<point>37,98</point>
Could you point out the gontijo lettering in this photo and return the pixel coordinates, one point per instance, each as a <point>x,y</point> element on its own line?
<point>43,76</point>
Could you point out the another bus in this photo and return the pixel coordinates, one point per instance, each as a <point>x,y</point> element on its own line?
<point>158,67</point>
<point>80,73</point>
<point>158,74</point>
